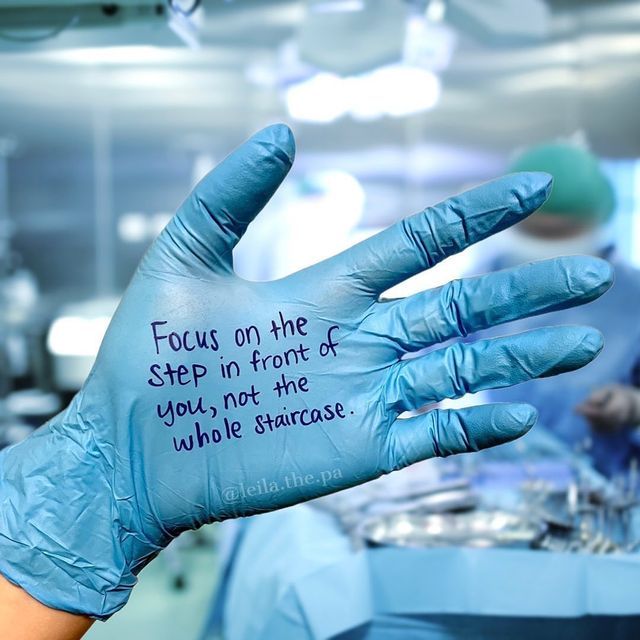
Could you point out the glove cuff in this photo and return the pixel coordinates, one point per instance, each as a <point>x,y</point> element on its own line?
<point>60,531</point>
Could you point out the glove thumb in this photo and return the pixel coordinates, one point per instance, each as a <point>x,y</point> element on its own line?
<point>200,238</point>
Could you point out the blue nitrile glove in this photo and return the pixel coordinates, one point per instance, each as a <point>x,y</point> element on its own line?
<point>213,397</point>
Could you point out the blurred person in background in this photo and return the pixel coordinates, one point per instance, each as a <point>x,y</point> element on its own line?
<point>317,217</point>
<point>596,409</point>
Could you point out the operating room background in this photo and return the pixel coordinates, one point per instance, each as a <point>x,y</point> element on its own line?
<point>104,129</point>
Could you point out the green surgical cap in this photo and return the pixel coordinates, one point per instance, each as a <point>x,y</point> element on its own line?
<point>581,190</point>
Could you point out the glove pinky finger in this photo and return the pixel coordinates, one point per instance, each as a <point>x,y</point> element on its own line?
<point>445,432</point>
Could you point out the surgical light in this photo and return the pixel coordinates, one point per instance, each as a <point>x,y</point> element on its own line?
<point>321,98</point>
<point>392,90</point>
<point>408,90</point>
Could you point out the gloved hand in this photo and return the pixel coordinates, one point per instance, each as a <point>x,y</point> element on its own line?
<point>612,408</point>
<point>213,397</point>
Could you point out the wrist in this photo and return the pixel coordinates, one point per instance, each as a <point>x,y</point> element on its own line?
<point>25,618</point>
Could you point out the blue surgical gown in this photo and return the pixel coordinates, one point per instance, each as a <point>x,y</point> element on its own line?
<point>617,315</point>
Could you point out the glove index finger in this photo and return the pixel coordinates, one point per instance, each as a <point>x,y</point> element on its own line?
<point>426,238</point>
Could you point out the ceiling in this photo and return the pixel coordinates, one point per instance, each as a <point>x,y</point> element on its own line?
<point>496,94</point>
